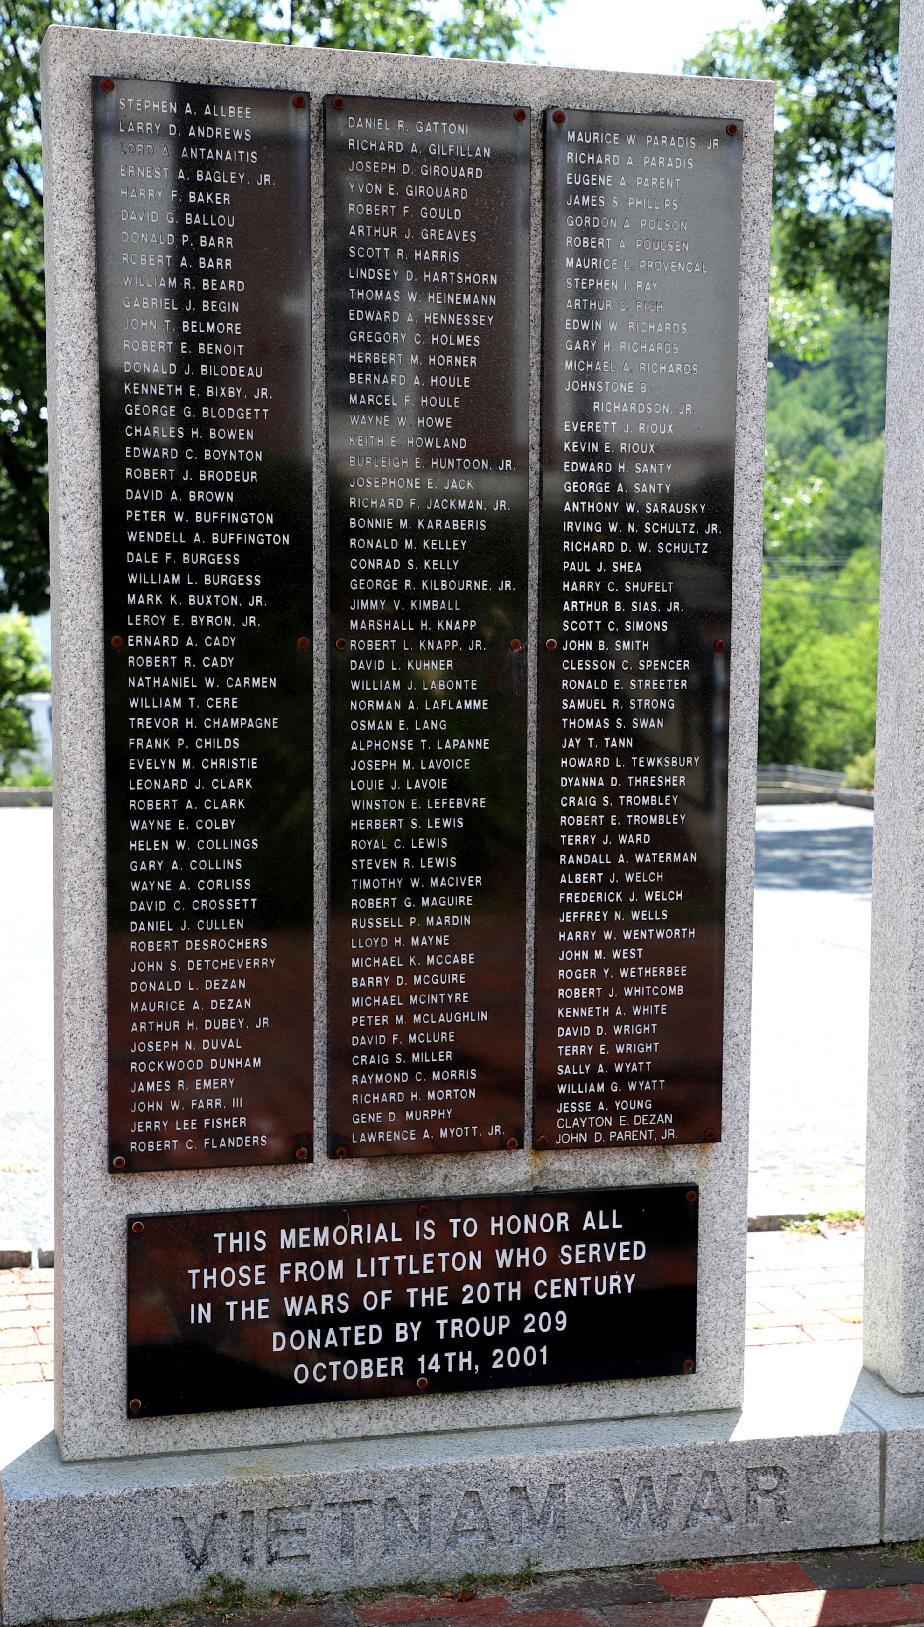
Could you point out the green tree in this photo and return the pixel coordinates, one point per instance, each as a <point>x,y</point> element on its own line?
<point>822,511</point>
<point>486,28</point>
<point>22,672</point>
<point>818,661</point>
<point>835,64</point>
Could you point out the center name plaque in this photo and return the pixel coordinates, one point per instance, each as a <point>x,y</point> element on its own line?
<point>427,293</point>
<point>202,213</point>
<point>641,255</point>
<point>289,1306</point>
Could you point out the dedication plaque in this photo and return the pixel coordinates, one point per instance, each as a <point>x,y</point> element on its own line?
<point>427,278</point>
<point>205,374</point>
<point>279,1307</point>
<point>642,229</point>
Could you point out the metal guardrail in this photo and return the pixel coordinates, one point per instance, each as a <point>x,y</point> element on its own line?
<point>796,777</point>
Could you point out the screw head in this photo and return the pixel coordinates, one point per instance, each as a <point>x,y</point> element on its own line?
<point>511,1143</point>
<point>731,129</point>
<point>298,101</point>
<point>543,1141</point>
<point>519,114</point>
<point>134,1406</point>
<point>107,84</point>
<point>516,644</point>
<point>119,1162</point>
<point>421,1384</point>
<point>340,643</point>
<point>338,102</point>
<point>137,1225</point>
<point>551,643</point>
<point>719,645</point>
<point>689,1366</point>
<point>303,643</point>
<point>692,1195</point>
<point>117,641</point>
<point>341,1152</point>
<point>301,1155</point>
<point>558,118</point>
<point>710,1135</point>
<point>422,1209</point>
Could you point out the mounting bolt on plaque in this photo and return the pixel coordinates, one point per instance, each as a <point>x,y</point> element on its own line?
<point>107,84</point>
<point>692,1195</point>
<point>134,1406</point>
<point>422,1210</point>
<point>689,1366</point>
<point>551,643</point>
<point>710,1135</point>
<point>338,102</point>
<point>341,1153</point>
<point>421,1384</point>
<point>719,645</point>
<point>117,641</point>
<point>137,1225</point>
<point>511,1143</point>
<point>118,1162</point>
<point>558,118</point>
<point>543,1141</point>
<point>519,114</point>
<point>298,101</point>
<point>516,644</point>
<point>301,1155</point>
<point>340,643</point>
<point>731,129</point>
<point>303,643</point>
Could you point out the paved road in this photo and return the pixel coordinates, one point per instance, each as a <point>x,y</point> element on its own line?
<point>811,969</point>
<point>810,1015</point>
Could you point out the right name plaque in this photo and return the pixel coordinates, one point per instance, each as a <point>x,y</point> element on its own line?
<point>641,253</point>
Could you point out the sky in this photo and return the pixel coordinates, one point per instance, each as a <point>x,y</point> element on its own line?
<point>638,36</point>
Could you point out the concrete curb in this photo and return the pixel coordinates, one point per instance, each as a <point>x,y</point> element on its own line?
<point>16,1259</point>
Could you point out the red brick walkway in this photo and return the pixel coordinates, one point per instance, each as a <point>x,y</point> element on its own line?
<point>25,1326</point>
<point>869,1588</point>
<point>805,1287</point>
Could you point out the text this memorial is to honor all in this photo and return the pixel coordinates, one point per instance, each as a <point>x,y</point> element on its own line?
<point>427,292</point>
<point>641,247</point>
<point>202,214</point>
<point>277,1307</point>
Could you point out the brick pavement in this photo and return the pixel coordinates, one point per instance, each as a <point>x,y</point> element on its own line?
<point>805,1287</point>
<point>26,1326</point>
<point>881,1587</point>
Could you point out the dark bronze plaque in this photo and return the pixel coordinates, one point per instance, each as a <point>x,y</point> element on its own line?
<point>278,1307</point>
<point>204,322</point>
<point>641,253</point>
<point>427,228</point>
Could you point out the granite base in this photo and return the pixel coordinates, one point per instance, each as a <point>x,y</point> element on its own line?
<point>806,1464</point>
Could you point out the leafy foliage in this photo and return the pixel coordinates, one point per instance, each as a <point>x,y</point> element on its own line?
<point>835,64</point>
<point>487,28</point>
<point>22,672</point>
<point>823,498</point>
<point>860,773</point>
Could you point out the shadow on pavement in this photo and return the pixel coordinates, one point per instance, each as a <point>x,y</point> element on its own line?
<point>834,860</point>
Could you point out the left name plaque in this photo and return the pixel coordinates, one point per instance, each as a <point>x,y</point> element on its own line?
<point>203,273</point>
